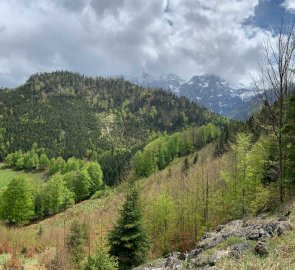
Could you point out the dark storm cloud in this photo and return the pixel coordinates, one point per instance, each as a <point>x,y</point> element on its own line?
<point>125,37</point>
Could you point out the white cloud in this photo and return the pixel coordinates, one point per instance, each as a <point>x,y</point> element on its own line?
<point>111,37</point>
<point>289,5</point>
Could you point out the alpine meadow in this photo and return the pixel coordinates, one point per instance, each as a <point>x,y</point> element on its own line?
<point>111,161</point>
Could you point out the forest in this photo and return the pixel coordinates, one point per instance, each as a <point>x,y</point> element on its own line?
<point>128,174</point>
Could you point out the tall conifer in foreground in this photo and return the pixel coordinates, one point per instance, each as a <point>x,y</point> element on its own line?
<point>128,239</point>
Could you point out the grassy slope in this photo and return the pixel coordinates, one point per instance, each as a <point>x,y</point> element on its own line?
<point>6,175</point>
<point>100,214</point>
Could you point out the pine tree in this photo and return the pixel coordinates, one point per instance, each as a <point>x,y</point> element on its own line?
<point>128,239</point>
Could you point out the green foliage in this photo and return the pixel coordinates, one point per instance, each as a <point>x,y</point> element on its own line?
<point>79,182</point>
<point>95,174</point>
<point>66,114</point>
<point>289,132</point>
<point>2,142</point>
<point>128,239</point>
<point>161,213</point>
<point>114,164</point>
<point>246,193</point>
<point>43,161</point>
<point>57,196</point>
<point>101,260</point>
<point>17,204</point>
<point>56,165</point>
<point>76,241</point>
<point>162,150</point>
<point>185,166</point>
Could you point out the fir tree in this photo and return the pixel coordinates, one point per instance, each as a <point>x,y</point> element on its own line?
<point>128,239</point>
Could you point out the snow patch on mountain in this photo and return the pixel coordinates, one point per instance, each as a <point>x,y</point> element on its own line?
<point>209,90</point>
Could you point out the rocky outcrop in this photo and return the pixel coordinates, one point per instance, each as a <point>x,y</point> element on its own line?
<point>244,231</point>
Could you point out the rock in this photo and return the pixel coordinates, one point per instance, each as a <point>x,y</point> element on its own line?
<point>195,252</point>
<point>216,257</point>
<point>240,247</point>
<point>261,249</point>
<point>283,227</point>
<point>237,249</point>
<point>206,235</point>
<point>172,264</point>
<point>270,228</point>
<point>172,254</point>
<point>211,242</point>
<point>235,254</point>
<point>219,228</point>
<point>253,235</point>
<point>182,256</point>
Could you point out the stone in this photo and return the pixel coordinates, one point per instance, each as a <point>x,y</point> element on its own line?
<point>195,252</point>
<point>220,228</point>
<point>283,227</point>
<point>216,257</point>
<point>235,254</point>
<point>172,254</point>
<point>240,247</point>
<point>261,249</point>
<point>172,264</point>
<point>253,235</point>
<point>182,256</point>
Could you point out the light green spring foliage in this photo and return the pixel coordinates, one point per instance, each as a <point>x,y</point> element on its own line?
<point>161,212</point>
<point>43,161</point>
<point>70,182</point>
<point>57,196</point>
<point>245,191</point>
<point>17,203</point>
<point>161,151</point>
<point>101,260</point>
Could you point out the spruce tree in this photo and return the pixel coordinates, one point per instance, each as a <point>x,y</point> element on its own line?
<point>128,239</point>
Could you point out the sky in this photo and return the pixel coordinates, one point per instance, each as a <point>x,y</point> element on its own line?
<point>128,37</point>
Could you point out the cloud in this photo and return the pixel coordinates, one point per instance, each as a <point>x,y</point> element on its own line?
<point>126,37</point>
<point>289,5</point>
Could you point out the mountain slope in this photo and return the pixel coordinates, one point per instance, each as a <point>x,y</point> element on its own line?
<point>209,90</point>
<point>68,114</point>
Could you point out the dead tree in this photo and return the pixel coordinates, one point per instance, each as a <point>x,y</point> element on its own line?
<point>274,85</point>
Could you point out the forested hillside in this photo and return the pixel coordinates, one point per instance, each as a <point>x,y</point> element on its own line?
<point>68,114</point>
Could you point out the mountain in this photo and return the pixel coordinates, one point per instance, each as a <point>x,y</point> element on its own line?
<point>210,91</point>
<point>69,114</point>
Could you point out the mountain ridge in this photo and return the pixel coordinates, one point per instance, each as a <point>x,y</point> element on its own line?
<point>208,90</point>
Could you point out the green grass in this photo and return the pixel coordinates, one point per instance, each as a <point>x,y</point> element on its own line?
<point>6,175</point>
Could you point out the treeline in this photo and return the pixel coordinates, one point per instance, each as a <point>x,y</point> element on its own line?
<point>160,152</point>
<point>71,181</point>
<point>33,159</point>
